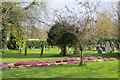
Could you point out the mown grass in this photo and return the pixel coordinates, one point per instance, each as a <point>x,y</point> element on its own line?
<point>108,69</point>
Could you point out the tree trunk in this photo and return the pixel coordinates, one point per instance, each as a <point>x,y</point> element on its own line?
<point>25,50</point>
<point>81,55</point>
<point>42,49</point>
<point>63,51</point>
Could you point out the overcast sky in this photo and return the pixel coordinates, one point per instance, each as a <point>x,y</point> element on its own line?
<point>52,5</point>
<point>106,5</point>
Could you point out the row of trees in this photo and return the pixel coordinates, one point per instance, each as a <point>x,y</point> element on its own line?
<point>18,24</point>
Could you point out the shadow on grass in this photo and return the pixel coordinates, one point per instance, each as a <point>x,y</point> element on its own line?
<point>60,78</point>
<point>108,55</point>
<point>35,55</point>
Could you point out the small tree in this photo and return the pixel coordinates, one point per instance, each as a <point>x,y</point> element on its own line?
<point>62,34</point>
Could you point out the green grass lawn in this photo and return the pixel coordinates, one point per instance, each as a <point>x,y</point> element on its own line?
<point>108,69</point>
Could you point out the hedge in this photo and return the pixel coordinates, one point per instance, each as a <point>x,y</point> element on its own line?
<point>36,44</point>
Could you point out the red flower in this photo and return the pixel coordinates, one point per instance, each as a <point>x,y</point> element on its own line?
<point>18,63</point>
<point>27,63</point>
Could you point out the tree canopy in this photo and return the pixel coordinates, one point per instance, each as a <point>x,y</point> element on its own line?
<point>62,34</point>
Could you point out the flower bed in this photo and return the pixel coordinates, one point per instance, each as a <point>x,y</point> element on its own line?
<point>64,61</point>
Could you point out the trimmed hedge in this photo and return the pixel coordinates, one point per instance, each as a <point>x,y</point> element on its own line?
<point>36,44</point>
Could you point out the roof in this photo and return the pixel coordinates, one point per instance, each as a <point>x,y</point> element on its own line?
<point>33,39</point>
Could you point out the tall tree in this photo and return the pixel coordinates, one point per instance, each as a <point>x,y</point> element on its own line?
<point>12,16</point>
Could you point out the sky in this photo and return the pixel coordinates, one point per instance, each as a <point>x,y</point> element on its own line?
<point>52,5</point>
<point>106,5</point>
<point>59,4</point>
